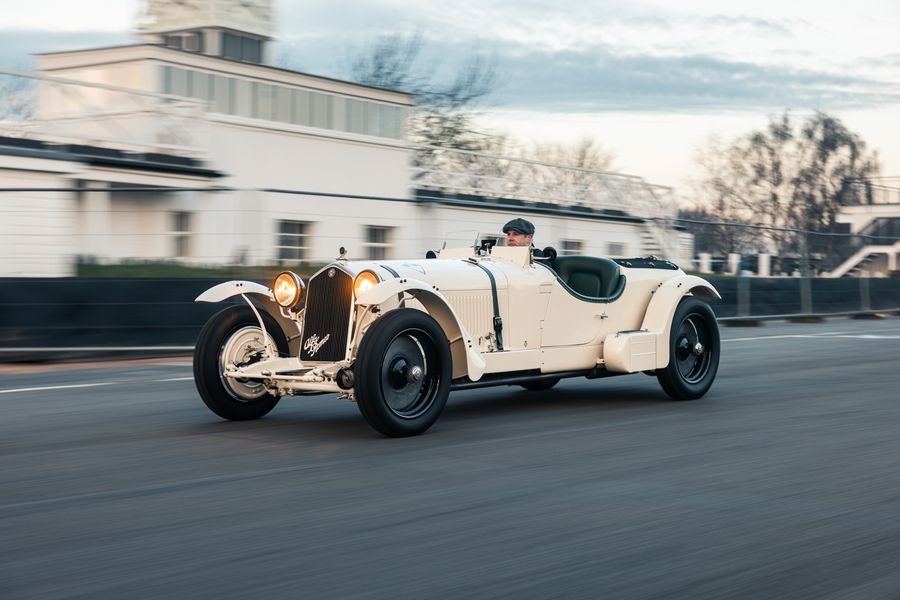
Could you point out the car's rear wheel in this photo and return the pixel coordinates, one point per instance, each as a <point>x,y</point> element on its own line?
<point>403,370</point>
<point>694,348</point>
<point>233,336</point>
<point>540,385</point>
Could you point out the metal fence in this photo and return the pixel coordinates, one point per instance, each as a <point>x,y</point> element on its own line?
<point>43,319</point>
<point>759,298</point>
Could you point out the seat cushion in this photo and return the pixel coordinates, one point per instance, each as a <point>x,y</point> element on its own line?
<point>586,284</point>
<point>589,276</point>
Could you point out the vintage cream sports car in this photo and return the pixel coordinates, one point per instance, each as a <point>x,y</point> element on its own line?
<point>397,336</point>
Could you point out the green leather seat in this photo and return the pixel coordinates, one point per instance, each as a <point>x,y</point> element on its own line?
<point>590,276</point>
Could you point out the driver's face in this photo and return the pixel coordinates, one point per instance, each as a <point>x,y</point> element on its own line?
<point>514,238</point>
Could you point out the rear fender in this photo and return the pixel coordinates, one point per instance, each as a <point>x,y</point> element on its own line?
<point>661,310</point>
<point>263,299</point>
<point>466,359</point>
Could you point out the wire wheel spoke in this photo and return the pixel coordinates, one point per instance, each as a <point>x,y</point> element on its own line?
<point>244,347</point>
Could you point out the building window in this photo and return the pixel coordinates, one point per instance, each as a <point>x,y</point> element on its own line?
<point>247,98</point>
<point>262,98</point>
<point>231,46</point>
<point>191,41</point>
<point>242,48</point>
<point>293,237</point>
<point>356,116</point>
<point>181,234</point>
<point>378,242</point>
<point>194,42</point>
<point>616,249</point>
<point>320,109</point>
<point>571,247</point>
<point>282,100</point>
<point>299,107</point>
<point>173,41</point>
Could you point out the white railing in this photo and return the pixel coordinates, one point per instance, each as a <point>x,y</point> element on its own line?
<point>490,176</point>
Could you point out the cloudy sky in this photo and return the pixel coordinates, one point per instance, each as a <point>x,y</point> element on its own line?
<point>650,80</point>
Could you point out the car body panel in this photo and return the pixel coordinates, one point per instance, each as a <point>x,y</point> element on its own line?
<point>547,326</point>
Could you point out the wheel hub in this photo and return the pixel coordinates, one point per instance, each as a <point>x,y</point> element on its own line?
<point>244,347</point>
<point>690,351</point>
<point>399,373</point>
<point>406,384</point>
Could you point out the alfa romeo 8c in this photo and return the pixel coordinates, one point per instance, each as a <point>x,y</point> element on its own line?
<point>396,336</point>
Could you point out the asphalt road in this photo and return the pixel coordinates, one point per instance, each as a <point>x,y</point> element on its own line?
<point>784,482</point>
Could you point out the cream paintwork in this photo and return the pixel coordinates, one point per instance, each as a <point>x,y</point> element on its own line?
<point>545,326</point>
<point>228,289</point>
<point>461,342</point>
<point>662,307</point>
<point>630,351</point>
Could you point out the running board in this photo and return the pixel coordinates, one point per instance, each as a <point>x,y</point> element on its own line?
<point>526,377</point>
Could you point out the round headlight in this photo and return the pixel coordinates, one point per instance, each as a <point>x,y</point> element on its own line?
<point>288,289</point>
<point>364,282</point>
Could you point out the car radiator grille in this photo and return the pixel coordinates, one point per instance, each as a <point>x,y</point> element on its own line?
<point>326,325</point>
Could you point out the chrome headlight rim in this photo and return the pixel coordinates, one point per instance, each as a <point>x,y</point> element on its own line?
<point>298,290</point>
<point>359,279</point>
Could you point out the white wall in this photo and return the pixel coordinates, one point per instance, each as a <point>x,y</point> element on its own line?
<point>36,235</point>
<point>860,216</point>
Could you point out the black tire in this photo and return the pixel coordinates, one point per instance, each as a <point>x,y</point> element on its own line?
<point>234,331</point>
<point>540,385</point>
<point>403,371</point>
<point>692,368</point>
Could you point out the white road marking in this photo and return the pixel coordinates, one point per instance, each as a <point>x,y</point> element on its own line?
<point>71,386</point>
<point>831,335</point>
<point>56,387</point>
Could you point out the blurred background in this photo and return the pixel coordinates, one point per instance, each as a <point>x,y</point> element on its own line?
<point>150,149</point>
<point>223,139</point>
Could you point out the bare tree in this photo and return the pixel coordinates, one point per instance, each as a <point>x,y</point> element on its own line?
<point>584,159</point>
<point>445,111</point>
<point>18,97</point>
<point>786,180</point>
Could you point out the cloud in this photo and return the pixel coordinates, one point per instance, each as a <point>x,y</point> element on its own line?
<point>599,79</point>
<point>575,57</point>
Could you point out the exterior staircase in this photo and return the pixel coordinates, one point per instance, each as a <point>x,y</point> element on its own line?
<point>855,265</point>
<point>877,239</point>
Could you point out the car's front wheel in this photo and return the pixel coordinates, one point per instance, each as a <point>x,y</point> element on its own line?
<point>694,348</point>
<point>233,337</point>
<point>403,370</point>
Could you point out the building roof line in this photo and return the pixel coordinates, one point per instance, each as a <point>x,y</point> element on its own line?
<point>229,61</point>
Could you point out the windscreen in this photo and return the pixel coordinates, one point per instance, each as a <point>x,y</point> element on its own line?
<point>471,238</point>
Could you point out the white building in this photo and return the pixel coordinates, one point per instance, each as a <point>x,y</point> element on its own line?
<point>873,250</point>
<point>189,146</point>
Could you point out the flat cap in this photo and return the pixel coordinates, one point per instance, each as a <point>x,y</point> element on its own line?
<point>520,225</point>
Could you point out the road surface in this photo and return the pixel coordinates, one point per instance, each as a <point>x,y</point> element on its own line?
<point>784,482</point>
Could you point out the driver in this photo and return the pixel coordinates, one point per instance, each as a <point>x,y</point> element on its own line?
<point>519,232</point>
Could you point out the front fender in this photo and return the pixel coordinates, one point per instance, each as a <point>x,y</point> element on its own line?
<point>265,301</point>
<point>461,343</point>
<point>226,290</point>
<point>661,310</point>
